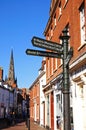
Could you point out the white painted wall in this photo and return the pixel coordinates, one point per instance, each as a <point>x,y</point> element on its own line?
<point>79,100</point>
<point>42,98</point>
<point>57,107</point>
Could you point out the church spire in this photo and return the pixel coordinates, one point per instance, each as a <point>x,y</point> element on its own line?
<point>11,73</point>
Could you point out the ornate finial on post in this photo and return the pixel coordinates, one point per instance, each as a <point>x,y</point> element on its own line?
<point>64,35</point>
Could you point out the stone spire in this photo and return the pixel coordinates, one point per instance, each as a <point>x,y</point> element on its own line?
<point>11,73</point>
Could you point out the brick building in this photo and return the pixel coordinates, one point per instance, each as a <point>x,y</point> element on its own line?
<point>6,97</point>
<point>37,100</point>
<point>1,74</point>
<point>70,14</point>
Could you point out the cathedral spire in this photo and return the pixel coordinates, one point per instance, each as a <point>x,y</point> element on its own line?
<point>11,73</point>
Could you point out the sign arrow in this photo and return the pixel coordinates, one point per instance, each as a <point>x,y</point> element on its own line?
<point>70,54</point>
<point>43,53</point>
<point>45,44</point>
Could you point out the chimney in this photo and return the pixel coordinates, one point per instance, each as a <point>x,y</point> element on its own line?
<point>1,73</point>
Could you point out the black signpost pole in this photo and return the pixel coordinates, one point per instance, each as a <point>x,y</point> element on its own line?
<point>66,88</point>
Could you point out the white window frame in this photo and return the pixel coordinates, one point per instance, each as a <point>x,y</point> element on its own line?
<point>82,24</point>
<point>60,9</point>
<point>55,21</point>
<point>51,31</point>
<point>48,70</point>
<point>51,66</point>
<point>66,1</point>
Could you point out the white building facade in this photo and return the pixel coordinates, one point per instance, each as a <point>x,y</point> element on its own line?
<point>78,87</point>
<point>42,81</point>
<point>6,100</point>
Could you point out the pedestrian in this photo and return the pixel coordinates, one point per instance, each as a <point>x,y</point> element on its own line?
<point>13,118</point>
<point>9,119</point>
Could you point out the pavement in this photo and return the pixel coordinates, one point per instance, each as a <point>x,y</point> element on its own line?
<point>35,126</point>
<point>22,126</point>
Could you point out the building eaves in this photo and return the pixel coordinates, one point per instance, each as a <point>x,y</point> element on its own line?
<point>78,61</point>
<point>50,18</point>
<point>37,79</point>
<point>54,81</point>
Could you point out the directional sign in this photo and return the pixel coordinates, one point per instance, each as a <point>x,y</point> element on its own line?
<point>43,53</point>
<point>60,85</point>
<point>70,54</point>
<point>60,82</point>
<point>42,43</point>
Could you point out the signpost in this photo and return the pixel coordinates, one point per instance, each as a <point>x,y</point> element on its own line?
<point>60,51</point>
<point>66,87</point>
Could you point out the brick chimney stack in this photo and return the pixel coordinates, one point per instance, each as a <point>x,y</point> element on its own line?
<point>1,73</point>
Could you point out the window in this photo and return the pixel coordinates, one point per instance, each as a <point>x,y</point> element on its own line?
<point>66,1</point>
<point>51,66</point>
<point>60,9</point>
<point>55,64</point>
<point>82,23</point>
<point>48,110</point>
<point>57,98</point>
<point>51,31</point>
<point>48,68</point>
<point>54,21</point>
<point>81,91</point>
<point>37,89</point>
<point>48,37</point>
<point>37,111</point>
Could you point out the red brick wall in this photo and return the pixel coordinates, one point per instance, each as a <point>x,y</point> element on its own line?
<point>35,98</point>
<point>70,15</point>
<point>1,74</point>
<point>52,111</point>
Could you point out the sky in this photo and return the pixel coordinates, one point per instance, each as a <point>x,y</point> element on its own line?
<point>20,20</point>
